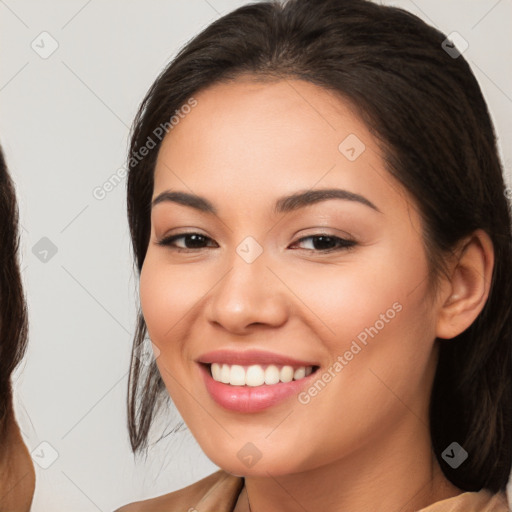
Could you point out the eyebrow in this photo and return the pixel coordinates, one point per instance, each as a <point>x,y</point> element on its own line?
<point>284,204</point>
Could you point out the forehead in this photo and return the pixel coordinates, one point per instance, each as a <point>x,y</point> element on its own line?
<point>268,115</point>
<point>270,138</point>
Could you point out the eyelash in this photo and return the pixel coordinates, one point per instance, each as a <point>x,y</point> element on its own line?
<point>343,244</point>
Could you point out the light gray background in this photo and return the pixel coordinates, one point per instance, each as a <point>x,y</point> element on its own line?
<point>64,128</point>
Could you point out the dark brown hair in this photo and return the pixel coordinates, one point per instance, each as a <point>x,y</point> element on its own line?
<point>13,312</point>
<point>427,111</point>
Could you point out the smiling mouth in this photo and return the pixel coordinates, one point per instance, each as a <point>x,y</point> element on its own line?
<point>257,375</point>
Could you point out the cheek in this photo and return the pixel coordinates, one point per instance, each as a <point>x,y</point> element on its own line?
<point>171,298</point>
<point>167,302</point>
<point>152,297</point>
<point>385,340</point>
<point>164,299</point>
<point>379,372</point>
<point>378,327</point>
<point>364,293</point>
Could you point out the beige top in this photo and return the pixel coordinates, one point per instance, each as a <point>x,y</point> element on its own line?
<point>223,492</point>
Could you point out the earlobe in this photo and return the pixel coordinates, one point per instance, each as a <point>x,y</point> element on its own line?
<point>469,285</point>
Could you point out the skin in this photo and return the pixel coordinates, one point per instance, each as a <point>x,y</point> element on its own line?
<point>17,475</point>
<point>363,442</point>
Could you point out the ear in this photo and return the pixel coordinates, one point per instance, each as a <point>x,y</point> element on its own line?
<point>464,295</point>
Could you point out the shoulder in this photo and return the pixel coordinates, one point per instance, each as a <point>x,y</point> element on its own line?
<point>219,488</point>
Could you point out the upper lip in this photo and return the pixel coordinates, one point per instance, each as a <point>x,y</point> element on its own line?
<point>248,357</point>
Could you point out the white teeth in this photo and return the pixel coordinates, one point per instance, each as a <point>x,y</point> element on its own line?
<point>255,375</point>
<point>286,374</point>
<point>237,375</point>
<point>224,374</point>
<point>272,374</point>
<point>299,373</point>
<point>216,372</point>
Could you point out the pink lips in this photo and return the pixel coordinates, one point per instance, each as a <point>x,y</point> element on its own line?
<point>248,399</point>
<point>249,357</point>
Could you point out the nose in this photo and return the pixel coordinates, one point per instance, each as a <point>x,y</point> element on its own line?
<point>248,294</point>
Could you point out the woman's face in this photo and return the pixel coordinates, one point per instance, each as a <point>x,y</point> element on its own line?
<point>258,290</point>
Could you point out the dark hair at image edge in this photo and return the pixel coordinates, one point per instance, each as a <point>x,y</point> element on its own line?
<point>13,313</point>
<point>430,118</point>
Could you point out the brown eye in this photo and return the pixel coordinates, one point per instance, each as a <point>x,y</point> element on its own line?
<point>192,241</point>
<point>328,243</point>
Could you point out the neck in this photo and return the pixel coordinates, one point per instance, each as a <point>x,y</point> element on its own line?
<point>402,475</point>
<point>17,476</point>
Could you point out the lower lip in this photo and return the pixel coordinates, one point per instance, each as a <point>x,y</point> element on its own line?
<point>248,398</point>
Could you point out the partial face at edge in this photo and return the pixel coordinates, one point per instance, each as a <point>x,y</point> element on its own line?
<point>362,304</point>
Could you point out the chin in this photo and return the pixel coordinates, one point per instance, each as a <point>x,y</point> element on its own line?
<point>258,466</point>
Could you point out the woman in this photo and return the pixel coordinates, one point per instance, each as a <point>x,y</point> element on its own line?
<point>319,219</point>
<point>17,476</point>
